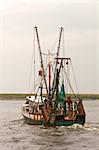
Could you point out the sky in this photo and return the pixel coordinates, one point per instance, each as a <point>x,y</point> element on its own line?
<point>80,20</point>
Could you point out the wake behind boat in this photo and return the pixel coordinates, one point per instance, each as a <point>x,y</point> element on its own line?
<point>51,105</point>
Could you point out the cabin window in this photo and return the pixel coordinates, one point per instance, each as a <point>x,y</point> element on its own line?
<point>27,102</point>
<point>27,109</point>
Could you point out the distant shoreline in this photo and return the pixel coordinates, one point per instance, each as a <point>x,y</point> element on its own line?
<point>22,96</point>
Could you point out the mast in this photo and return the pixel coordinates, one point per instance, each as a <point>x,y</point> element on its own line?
<point>42,66</point>
<point>55,74</point>
<point>61,29</point>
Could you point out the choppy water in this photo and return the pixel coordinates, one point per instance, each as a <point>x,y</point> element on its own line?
<point>16,135</point>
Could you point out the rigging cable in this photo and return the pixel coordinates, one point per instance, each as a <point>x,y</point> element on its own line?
<point>74,78</point>
<point>41,82</point>
<point>34,61</point>
<point>63,55</point>
<point>69,82</point>
<point>68,72</point>
<point>33,54</point>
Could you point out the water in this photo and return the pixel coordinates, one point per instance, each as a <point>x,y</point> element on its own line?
<point>16,135</point>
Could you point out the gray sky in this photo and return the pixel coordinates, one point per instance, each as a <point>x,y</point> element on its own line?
<point>80,21</point>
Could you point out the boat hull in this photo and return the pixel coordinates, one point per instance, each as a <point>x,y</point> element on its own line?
<point>80,119</point>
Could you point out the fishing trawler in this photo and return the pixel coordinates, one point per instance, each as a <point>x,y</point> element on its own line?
<point>52,106</point>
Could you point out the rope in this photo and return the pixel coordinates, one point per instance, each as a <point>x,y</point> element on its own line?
<point>33,54</point>
<point>40,82</point>
<point>74,78</point>
<point>69,83</point>
<point>34,62</point>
